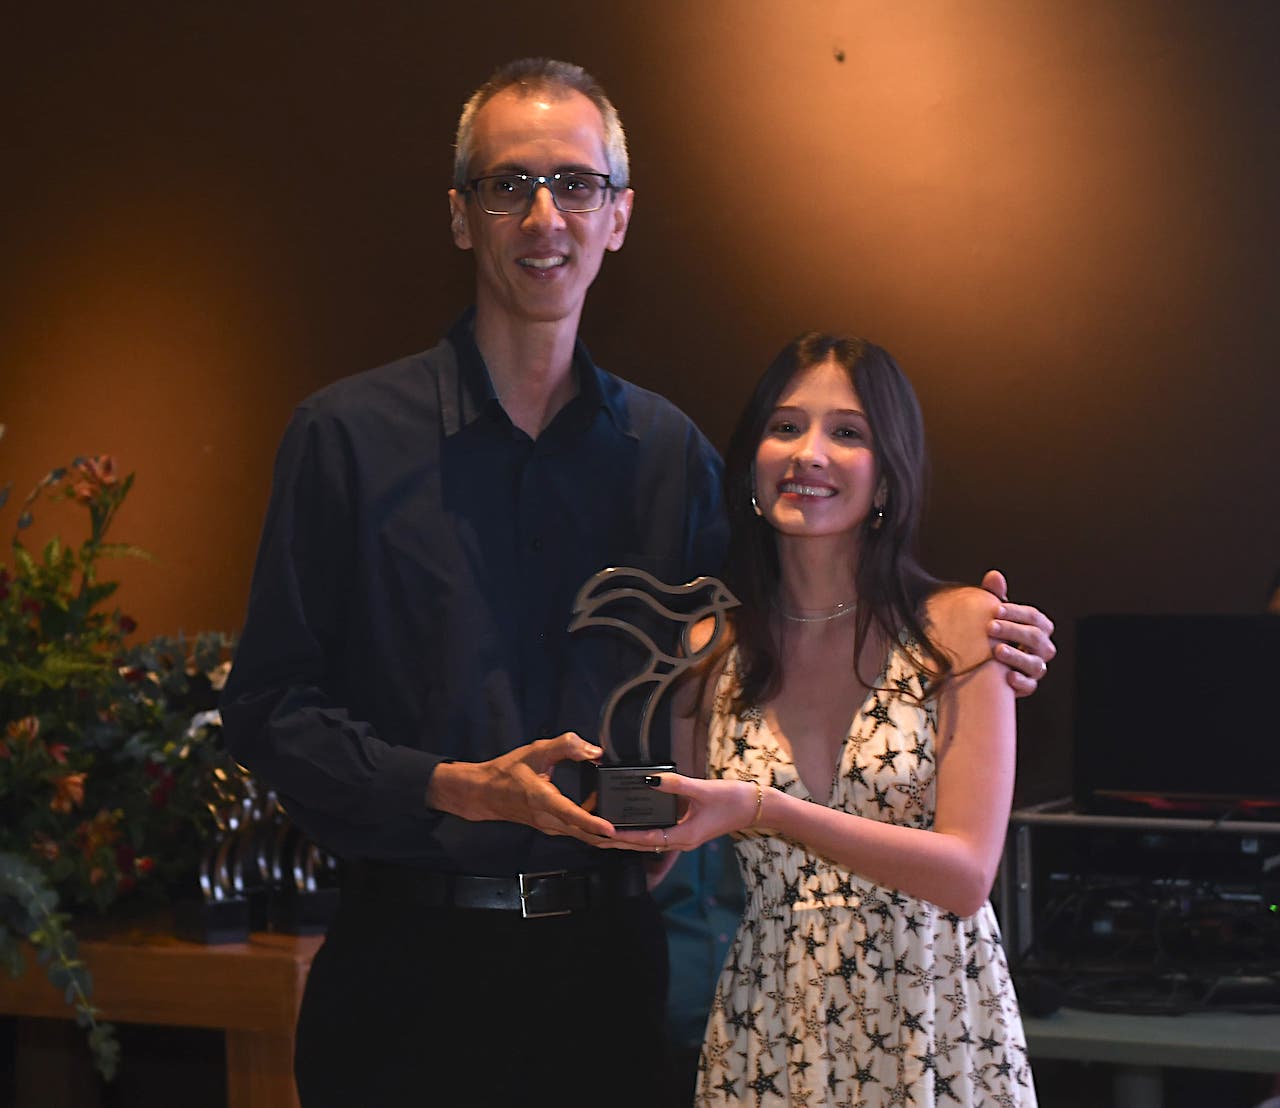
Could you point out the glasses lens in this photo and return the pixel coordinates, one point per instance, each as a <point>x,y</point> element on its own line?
<point>510,193</point>
<point>578,192</point>
<point>503,195</point>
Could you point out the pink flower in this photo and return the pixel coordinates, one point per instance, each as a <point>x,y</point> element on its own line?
<point>58,752</point>
<point>45,847</point>
<point>92,476</point>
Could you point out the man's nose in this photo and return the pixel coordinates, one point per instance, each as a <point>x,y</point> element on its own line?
<point>543,215</point>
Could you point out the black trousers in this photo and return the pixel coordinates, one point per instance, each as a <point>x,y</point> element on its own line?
<point>442,1006</point>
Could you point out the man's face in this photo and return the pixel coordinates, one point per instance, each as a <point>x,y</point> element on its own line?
<point>537,266</point>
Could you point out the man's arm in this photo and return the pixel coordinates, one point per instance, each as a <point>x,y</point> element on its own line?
<point>343,783</point>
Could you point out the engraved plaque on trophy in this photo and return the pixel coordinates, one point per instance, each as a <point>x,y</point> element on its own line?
<point>622,797</point>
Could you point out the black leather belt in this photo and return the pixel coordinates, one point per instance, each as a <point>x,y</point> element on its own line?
<point>533,895</point>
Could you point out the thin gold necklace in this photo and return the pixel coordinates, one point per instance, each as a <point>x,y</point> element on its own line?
<point>846,608</point>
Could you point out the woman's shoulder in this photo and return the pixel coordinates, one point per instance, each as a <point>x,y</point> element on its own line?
<point>959,621</point>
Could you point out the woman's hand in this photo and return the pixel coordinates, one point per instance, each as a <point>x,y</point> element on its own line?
<point>714,808</point>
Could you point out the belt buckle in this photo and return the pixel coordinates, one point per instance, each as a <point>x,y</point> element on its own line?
<point>526,892</point>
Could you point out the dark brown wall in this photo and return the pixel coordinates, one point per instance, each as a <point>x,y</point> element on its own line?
<point>1060,217</point>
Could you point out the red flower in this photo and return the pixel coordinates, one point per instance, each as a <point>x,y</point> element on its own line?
<point>31,607</point>
<point>68,792</point>
<point>161,790</point>
<point>144,866</point>
<point>128,625</point>
<point>58,752</point>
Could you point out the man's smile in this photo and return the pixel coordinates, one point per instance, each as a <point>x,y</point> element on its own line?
<point>549,261</point>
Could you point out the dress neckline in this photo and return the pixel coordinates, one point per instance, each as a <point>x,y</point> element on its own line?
<point>785,755</point>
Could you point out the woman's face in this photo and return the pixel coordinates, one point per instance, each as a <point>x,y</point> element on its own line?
<point>815,473</point>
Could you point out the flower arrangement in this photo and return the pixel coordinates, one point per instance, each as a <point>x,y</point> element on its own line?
<point>110,766</point>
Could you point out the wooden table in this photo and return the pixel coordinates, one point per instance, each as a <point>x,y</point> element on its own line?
<point>250,990</point>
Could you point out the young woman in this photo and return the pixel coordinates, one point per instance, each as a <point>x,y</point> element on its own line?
<point>858,740</point>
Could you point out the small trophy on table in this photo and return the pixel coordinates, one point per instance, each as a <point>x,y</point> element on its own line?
<point>622,797</point>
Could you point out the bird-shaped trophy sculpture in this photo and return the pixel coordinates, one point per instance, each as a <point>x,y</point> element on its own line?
<point>622,797</point>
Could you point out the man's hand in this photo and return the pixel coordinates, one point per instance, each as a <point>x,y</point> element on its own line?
<point>517,788</point>
<point>1020,638</point>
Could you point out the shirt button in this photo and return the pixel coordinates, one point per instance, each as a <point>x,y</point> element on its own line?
<point>536,544</point>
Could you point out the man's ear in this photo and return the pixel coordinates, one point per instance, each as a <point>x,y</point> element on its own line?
<point>621,218</point>
<point>458,225</point>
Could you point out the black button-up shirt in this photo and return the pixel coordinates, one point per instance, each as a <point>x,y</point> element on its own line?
<point>414,585</point>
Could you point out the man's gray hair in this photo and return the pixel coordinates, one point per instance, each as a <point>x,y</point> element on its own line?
<point>533,75</point>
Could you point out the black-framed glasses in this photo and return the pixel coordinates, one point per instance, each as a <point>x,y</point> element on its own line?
<point>512,193</point>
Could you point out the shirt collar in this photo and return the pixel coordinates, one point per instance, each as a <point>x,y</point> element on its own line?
<point>467,392</point>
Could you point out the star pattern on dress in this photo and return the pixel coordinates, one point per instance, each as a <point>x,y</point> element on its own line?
<point>878,712</point>
<point>729,1086</point>
<point>844,1045</point>
<point>847,969</point>
<point>914,789</point>
<point>834,1012</point>
<point>899,1094</point>
<point>942,1087</point>
<point>824,959</point>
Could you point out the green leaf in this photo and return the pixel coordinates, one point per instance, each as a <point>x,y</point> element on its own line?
<point>125,550</point>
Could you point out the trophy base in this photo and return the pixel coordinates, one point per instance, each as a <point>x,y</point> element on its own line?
<point>627,802</point>
<point>310,913</point>
<point>212,922</point>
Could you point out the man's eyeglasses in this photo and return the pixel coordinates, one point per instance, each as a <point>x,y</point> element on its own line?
<point>512,193</point>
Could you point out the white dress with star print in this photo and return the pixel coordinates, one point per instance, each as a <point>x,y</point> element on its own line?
<point>840,992</point>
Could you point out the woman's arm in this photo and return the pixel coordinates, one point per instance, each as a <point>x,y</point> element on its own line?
<point>952,865</point>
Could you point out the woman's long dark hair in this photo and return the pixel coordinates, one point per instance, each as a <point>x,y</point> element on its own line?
<point>891,585</point>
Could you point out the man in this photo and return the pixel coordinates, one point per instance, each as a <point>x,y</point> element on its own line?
<point>430,523</point>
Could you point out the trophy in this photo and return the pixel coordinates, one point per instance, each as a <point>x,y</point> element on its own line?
<point>622,797</point>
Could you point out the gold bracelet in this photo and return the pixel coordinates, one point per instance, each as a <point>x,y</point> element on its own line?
<point>759,804</point>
